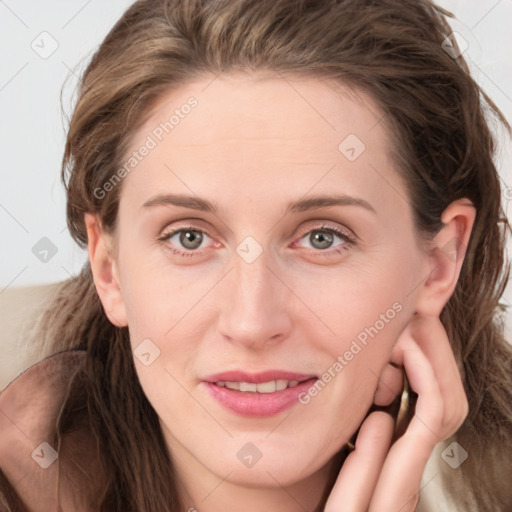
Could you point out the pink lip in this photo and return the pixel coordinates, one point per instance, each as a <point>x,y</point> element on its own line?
<point>254,404</point>
<point>257,378</point>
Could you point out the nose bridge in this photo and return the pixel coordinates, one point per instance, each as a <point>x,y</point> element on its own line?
<point>254,306</point>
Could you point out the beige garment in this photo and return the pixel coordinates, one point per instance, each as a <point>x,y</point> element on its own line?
<point>43,475</point>
<point>19,309</point>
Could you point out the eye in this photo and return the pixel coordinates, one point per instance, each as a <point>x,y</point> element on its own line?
<point>324,237</point>
<point>184,241</point>
<point>187,241</point>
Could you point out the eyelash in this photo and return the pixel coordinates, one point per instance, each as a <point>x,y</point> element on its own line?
<point>339,249</point>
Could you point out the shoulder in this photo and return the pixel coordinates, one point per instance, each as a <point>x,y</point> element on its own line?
<point>34,459</point>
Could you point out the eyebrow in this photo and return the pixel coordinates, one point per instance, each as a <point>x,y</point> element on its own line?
<point>193,202</point>
<point>302,205</point>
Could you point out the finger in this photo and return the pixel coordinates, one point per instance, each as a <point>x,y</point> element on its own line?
<point>431,337</point>
<point>358,476</point>
<point>430,400</point>
<point>400,479</point>
<point>390,385</point>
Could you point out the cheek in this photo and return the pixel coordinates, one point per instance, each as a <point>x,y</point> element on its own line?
<point>355,360</point>
<point>360,317</point>
<point>156,296</point>
<point>353,305</point>
<point>165,300</point>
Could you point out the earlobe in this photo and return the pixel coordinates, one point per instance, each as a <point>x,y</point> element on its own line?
<point>104,270</point>
<point>445,257</point>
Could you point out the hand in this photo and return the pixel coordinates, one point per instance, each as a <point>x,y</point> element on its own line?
<point>382,476</point>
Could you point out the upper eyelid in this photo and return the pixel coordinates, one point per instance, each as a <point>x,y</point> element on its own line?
<point>325,225</point>
<point>303,230</point>
<point>166,235</point>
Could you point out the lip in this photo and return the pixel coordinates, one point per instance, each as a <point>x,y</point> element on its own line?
<point>258,405</point>
<point>257,378</point>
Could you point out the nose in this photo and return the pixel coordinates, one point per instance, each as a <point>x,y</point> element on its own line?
<point>255,305</point>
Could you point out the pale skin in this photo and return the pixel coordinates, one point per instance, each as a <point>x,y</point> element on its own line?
<point>252,145</point>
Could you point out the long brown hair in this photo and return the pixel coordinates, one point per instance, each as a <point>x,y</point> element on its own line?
<point>394,51</point>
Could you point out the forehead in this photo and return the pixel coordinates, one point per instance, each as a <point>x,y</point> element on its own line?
<point>255,131</point>
<point>266,107</point>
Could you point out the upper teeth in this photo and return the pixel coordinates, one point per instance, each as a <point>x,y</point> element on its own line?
<point>262,387</point>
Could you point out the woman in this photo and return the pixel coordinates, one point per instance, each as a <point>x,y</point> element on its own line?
<point>288,207</point>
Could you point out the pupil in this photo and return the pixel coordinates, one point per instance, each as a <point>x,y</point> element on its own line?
<point>190,239</point>
<point>324,238</point>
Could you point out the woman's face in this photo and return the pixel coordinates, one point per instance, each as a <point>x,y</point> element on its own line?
<point>263,229</point>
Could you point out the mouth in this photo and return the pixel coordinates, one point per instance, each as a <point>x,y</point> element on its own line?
<point>258,395</point>
<point>270,386</point>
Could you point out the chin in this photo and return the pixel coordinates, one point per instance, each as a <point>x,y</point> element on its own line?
<point>264,464</point>
<point>268,474</point>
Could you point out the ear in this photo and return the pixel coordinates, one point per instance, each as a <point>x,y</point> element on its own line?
<point>445,257</point>
<point>104,271</point>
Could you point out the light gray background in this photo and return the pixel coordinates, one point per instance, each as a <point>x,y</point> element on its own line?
<point>32,202</point>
